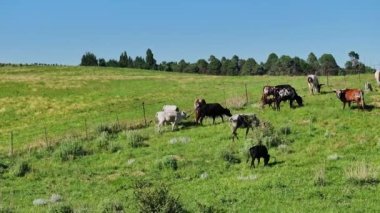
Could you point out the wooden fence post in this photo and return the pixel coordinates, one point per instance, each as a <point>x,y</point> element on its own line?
<point>11,149</point>
<point>143,105</point>
<point>246,94</point>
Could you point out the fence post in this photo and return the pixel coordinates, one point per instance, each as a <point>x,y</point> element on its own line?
<point>46,138</point>
<point>143,105</point>
<point>11,149</point>
<point>246,93</point>
<point>85,126</point>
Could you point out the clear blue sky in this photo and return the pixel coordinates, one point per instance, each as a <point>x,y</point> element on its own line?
<point>52,31</point>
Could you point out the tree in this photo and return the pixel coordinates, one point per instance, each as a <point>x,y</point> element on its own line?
<point>250,67</point>
<point>354,58</point>
<point>139,63</point>
<point>202,66</point>
<point>112,63</point>
<point>123,60</point>
<point>102,62</point>
<point>150,61</point>
<point>214,66</point>
<point>182,65</point>
<point>271,64</point>
<point>313,62</point>
<point>89,59</point>
<point>328,65</point>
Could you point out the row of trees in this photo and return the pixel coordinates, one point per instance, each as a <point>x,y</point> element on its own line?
<point>274,65</point>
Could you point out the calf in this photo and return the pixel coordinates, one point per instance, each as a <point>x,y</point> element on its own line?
<point>211,110</point>
<point>173,117</point>
<point>351,95</point>
<point>313,83</point>
<point>243,121</point>
<point>257,152</point>
<point>377,77</point>
<point>170,108</point>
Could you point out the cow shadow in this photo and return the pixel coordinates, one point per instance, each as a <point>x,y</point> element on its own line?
<point>367,107</point>
<point>326,92</point>
<point>275,163</point>
<point>188,124</point>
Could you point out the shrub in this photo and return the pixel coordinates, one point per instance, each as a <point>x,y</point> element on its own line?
<point>169,161</point>
<point>230,157</point>
<point>114,206</point>
<point>71,151</point>
<point>237,102</point>
<point>157,199</point>
<point>319,177</point>
<point>113,129</point>
<point>62,208</point>
<point>203,208</point>
<point>21,169</point>
<point>135,139</point>
<point>102,141</point>
<point>285,130</point>
<point>361,173</point>
<point>6,210</point>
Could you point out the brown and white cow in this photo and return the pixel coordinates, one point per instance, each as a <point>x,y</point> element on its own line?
<point>351,95</point>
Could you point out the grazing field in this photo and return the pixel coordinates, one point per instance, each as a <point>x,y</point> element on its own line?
<point>77,132</point>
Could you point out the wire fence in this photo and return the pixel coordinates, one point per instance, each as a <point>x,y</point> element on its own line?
<point>81,124</point>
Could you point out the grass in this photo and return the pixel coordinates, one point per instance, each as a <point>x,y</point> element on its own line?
<point>93,108</point>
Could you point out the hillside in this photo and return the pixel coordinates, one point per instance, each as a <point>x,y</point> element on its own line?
<point>77,132</point>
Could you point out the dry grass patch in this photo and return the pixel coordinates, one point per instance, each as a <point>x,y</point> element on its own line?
<point>362,173</point>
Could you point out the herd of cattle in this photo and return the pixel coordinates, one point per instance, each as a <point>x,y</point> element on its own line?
<point>271,95</point>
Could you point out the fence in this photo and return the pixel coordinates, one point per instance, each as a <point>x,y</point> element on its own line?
<point>80,124</point>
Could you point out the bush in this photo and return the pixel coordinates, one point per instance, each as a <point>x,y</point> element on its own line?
<point>62,208</point>
<point>230,157</point>
<point>135,139</point>
<point>102,141</point>
<point>209,209</point>
<point>70,151</point>
<point>110,207</point>
<point>111,129</point>
<point>362,174</point>
<point>237,102</point>
<point>169,161</point>
<point>21,169</point>
<point>320,177</point>
<point>157,199</point>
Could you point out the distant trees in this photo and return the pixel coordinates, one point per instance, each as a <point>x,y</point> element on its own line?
<point>89,59</point>
<point>274,65</point>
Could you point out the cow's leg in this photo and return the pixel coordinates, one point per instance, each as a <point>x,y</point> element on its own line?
<point>222,118</point>
<point>344,105</point>
<point>246,132</point>
<point>234,134</point>
<point>253,162</point>
<point>213,119</point>
<point>201,120</point>
<point>349,104</point>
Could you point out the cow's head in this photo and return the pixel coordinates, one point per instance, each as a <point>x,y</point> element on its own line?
<point>227,112</point>
<point>339,93</point>
<point>319,87</point>
<point>184,115</point>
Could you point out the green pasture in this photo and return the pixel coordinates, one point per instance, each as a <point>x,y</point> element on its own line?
<point>324,158</point>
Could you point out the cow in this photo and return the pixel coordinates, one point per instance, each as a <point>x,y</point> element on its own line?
<point>173,117</point>
<point>266,100</point>
<point>351,95</point>
<point>243,121</point>
<point>197,103</point>
<point>170,108</point>
<point>257,152</point>
<point>211,110</point>
<point>286,92</point>
<point>377,77</point>
<point>313,83</point>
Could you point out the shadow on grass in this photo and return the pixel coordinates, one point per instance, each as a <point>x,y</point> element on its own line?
<point>275,163</point>
<point>367,107</point>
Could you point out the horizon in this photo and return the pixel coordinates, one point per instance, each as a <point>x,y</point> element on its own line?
<point>61,32</point>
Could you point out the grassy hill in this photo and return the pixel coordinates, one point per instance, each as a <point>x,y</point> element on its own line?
<point>77,132</point>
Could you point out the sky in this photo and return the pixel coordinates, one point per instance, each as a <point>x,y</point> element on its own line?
<point>52,31</point>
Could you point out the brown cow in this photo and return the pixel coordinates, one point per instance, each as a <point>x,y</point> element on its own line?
<point>351,95</point>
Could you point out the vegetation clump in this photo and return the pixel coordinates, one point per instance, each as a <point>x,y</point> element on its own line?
<point>71,150</point>
<point>21,169</point>
<point>156,199</point>
<point>135,139</point>
<point>112,206</point>
<point>169,161</point>
<point>63,208</point>
<point>361,173</point>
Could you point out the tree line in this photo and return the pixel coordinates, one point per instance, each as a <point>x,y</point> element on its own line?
<point>274,65</point>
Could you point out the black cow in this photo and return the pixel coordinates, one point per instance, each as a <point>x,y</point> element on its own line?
<point>211,110</point>
<point>257,152</point>
<point>286,92</point>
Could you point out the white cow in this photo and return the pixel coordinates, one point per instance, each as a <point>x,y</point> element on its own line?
<point>313,83</point>
<point>173,117</point>
<point>377,77</point>
<point>170,108</point>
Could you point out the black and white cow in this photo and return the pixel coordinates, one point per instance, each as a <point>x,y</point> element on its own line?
<point>281,93</point>
<point>243,121</point>
<point>313,83</point>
